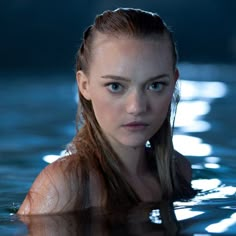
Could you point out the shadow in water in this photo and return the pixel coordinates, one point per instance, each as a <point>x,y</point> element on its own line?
<point>146,219</point>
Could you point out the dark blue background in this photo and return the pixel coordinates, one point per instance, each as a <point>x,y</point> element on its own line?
<point>42,35</point>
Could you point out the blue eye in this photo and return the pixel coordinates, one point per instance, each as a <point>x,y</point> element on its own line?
<point>156,86</point>
<point>114,87</point>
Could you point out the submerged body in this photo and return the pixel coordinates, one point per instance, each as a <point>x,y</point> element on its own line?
<point>126,86</point>
<point>56,188</point>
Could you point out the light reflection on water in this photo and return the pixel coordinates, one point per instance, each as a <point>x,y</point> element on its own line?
<point>208,202</point>
<point>197,97</point>
<point>195,104</point>
<point>189,114</point>
<point>223,225</point>
<point>196,100</point>
<point>212,157</point>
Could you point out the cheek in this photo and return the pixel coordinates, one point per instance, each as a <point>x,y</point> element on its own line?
<point>161,108</point>
<point>104,109</point>
<point>99,107</point>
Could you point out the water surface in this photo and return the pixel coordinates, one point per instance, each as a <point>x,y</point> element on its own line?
<point>37,121</point>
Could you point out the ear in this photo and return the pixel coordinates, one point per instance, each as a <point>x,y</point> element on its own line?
<point>176,75</point>
<point>83,84</point>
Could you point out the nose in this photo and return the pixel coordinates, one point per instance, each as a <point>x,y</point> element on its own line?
<point>136,103</point>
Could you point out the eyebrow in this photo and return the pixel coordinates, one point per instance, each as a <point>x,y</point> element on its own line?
<point>117,77</point>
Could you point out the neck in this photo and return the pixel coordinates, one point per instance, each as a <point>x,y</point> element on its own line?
<point>134,159</point>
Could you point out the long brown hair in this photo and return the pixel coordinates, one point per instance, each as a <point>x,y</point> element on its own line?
<point>92,147</point>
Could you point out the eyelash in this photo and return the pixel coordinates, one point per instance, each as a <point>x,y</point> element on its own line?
<point>120,86</point>
<point>162,84</point>
<point>109,87</point>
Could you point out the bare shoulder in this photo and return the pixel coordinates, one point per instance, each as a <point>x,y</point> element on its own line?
<point>183,166</point>
<point>52,190</point>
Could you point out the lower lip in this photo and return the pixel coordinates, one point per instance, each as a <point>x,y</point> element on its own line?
<point>135,127</point>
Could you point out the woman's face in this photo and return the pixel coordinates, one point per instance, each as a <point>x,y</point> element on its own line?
<point>130,84</point>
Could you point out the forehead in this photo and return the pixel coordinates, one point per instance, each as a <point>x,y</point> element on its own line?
<point>125,53</point>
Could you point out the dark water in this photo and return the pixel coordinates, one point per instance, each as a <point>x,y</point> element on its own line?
<point>37,121</point>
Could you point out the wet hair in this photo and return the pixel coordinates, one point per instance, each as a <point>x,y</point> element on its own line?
<point>133,23</point>
<point>93,150</point>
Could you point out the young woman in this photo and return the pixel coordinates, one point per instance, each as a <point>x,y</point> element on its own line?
<point>123,153</point>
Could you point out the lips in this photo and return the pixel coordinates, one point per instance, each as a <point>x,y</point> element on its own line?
<point>135,125</point>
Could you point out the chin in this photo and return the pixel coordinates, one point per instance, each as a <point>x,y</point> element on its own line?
<point>134,143</point>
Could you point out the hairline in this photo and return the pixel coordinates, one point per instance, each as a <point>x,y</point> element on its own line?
<point>153,37</point>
